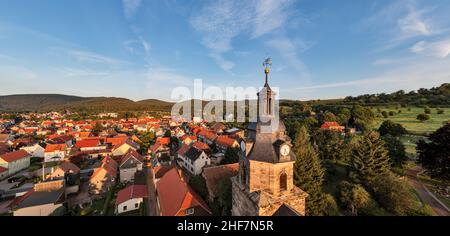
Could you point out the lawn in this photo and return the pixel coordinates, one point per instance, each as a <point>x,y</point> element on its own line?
<point>407,118</point>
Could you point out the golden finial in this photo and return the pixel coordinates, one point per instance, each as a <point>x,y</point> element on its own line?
<point>267,64</point>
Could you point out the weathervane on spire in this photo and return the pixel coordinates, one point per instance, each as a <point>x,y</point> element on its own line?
<point>267,65</point>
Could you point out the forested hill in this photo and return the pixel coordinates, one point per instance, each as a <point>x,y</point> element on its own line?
<point>57,102</point>
<point>436,96</point>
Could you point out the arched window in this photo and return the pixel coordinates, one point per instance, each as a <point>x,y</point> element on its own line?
<point>283,181</point>
<point>244,175</point>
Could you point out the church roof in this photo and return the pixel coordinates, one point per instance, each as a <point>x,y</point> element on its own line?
<point>285,210</point>
<point>266,148</point>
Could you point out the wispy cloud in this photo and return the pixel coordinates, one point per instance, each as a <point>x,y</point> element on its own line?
<point>144,45</point>
<point>91,57</point>
<point>437,48</point>
<point>130,7</point>
<point>222,21</point>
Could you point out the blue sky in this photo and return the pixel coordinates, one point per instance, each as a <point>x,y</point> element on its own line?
<point>142,49</point>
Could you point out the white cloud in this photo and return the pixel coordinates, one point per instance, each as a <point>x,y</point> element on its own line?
<point>222,21</point>
<point>91,57</point>
<point>130,7</point>
<point>437,48</point>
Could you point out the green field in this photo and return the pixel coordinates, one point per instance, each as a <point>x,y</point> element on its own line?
<point>409,121</point>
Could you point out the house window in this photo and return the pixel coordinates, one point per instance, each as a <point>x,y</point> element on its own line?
<point>206,163</point>
<point>189,211</point>
<point>124,208</point>
<point>283,182</point>
<point>136,205</point>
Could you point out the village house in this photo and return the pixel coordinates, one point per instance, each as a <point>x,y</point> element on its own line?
<point>188,139</point>
<point>130,163</point>
<point>130,198</point>
<point>55,152</point>
<point>223,142</point>
<point>176,198</point>
<point>35,150</point>
<point>123,147</point>
<point>160,152</point>
<point>89,145</point>
<point>333,126</point>
<point>104,176</point>
<point>64,169</point>
<point>193,160</point>
<point>15,161</point>
<point>218,128</point>
<point>42,200</point>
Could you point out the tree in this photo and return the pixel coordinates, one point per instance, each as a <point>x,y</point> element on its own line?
<point>329,144</point>
<point>440,111</point>
<point>344,116</point>
<point>396,149</point>
<point>353,196</point>
<point>223,202</point>
<point>385,114</point>
<point>198,183</point>
<point>362,117</point>
<point>97,128</point>
<point>392,193</point>
<point>309,174</point>
<point>391,128</point>
<point>369,158</point>
<point>434,155</point>
<point>328,117</point>
<point>231,156</point>
<point>167,134</point>
<point>427,110</point>
<point>423,117</point>
<point>391,113</point>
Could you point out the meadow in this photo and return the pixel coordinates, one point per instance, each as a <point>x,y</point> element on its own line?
<point>408,116</point>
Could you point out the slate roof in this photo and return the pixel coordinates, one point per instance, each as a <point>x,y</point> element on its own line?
<point>285,210</point>
<point>193,153</point>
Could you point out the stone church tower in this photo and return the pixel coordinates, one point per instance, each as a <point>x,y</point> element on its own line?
<point>264,185</point>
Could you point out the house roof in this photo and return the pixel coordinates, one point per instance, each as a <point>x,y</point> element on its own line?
<point>87,143</point>
<point>285,210</point>
<point>225,141</point>
<point>131,192</point>
<point>182,151</point>
<point>36,198</point>
<point>200,146</point>
<point>109,166</point>
<point>327,125</point>
<point>163,140</point>
<point>69,166</point>
<point>161,170</point>
<point>193,153</point>
<point>55,147</point>
<point>175,194</point>
<point>14,156</point>
<point>213,175</point>
<point>131,153</point>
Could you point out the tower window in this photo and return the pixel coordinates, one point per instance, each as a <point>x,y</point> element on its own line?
<point>283,182</point>
<point>270,106</point>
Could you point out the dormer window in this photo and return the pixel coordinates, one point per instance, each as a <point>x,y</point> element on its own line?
<point>189,211</point>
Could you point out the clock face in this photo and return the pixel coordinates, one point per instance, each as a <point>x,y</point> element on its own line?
<point>285,150</point>
<point>243,146</point>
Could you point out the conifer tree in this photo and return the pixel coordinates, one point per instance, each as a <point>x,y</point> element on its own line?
<point>309,174</point>
<point>369,158</point>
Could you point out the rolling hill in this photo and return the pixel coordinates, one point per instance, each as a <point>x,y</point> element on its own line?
<point>57,102</point>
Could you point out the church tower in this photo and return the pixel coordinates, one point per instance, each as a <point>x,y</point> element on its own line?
<point>264,185</point>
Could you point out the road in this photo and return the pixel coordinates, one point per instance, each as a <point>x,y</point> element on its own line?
<point>151,200</point>
<point>424,194</point>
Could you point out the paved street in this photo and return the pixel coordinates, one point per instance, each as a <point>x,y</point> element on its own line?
<point>151,200</point>
<point>424,194</point>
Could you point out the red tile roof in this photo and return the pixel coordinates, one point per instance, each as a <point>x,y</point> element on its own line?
<point>175,194</point>
<point>87,143</point>
<point>200,146</point>
<point>225,141</point>
<point>328,125</point>
<point>183,149</point>
<point>163,141</point>
<point>55,147</point>
<point>213,175</point>
<point>131,192</point>
<point>14,156</point>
